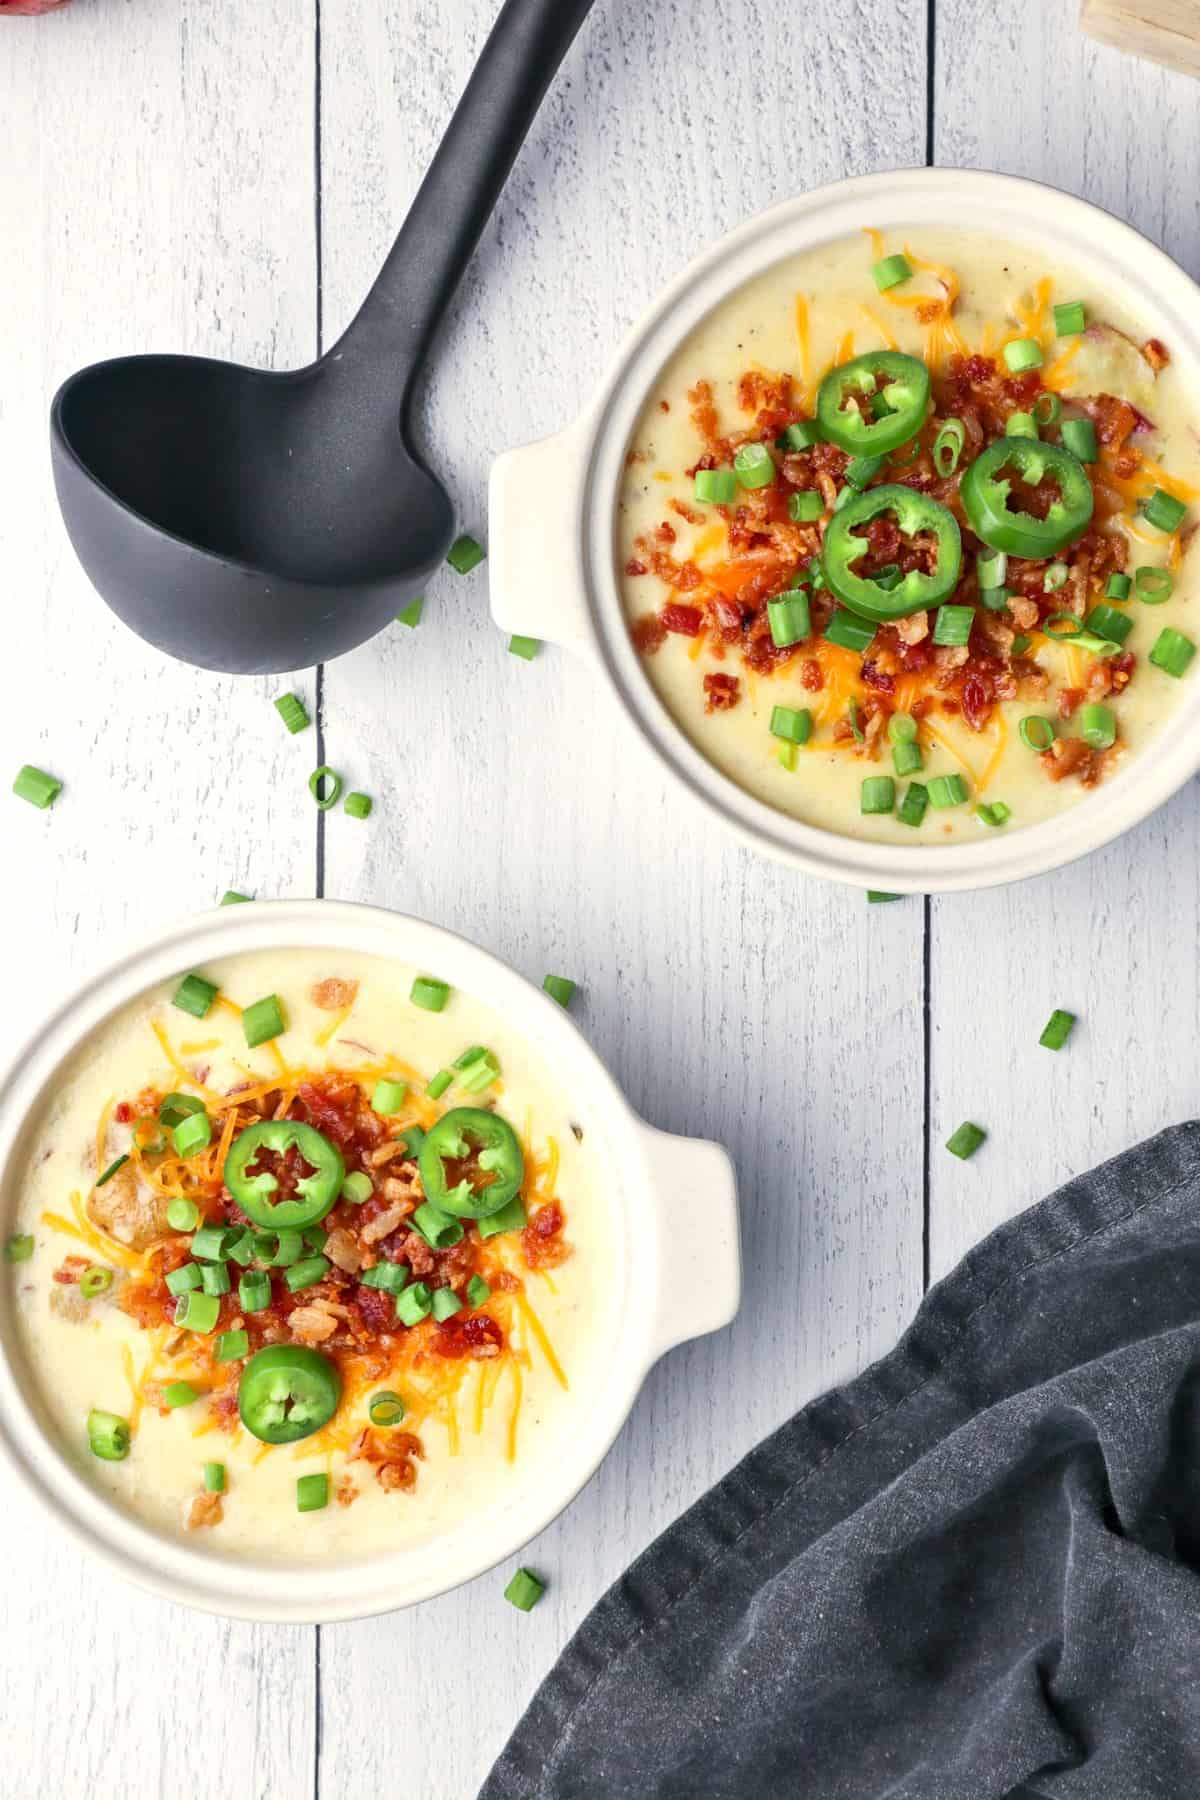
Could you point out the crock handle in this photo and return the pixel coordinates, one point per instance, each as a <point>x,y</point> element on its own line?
<point>535,541</point>
<point>699,1263</point>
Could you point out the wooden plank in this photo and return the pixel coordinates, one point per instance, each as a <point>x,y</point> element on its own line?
<point>1101,938</point>
<point>728,996</point>
<point>1166,31</point>
<point>158,194</point>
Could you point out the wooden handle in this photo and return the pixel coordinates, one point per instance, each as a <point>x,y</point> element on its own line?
<point>1167,31</point>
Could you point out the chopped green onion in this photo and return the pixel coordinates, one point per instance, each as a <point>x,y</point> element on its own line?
<point>524,647</point>
<point>512,1217</point>
<point>183,1215</point>
<point>357,1187</point>
<point>788,757</point>
<point>851,633</point>
<point>437,1084</point>
<point>1079,437</point>
<point>805,506</point>
<point>241,1250</point>
<point>325,786</point>
<point>33,784</point>
<point>791,722</point>
<point>359,805</point>
<point>211,1243</point>
<point>902,728</point>
<point>1023,354</point>
<point>194,995</point>
<point>965,1141</point>
<point>560,988</point>
<point>478,1291</point>
<point>411,616</point>
<point>176,1107</point>
<point>254,1291</point>
<point>1172,652</point>
<point>388,1277</point>
<point>262,1021</point>
<point>1118,587</point>
<point>231,1346</point>
<point>18,1247</point>
<point>386,1408</point>
<point>1037,732</point>
<point>995,813</point>
<point>1075,634</point>
<point>1047,410</point>
<point>306,1273</point>
<point>524,1590</point>
<point>312,1491</point>
<point>912,807</point>
<point>947,790</point>
<point>952,624</point>
<point>878,794</point>
<point>861,470</point>
<point>1154,586</point>
<point>214,1279</point>
<point>1055,577</point>
<point>438,1229</point>
<point>180,1281</point>
<point>1058,1029</point>
<point>414,1304</point>
<point>480,1075</point>
<point>801,435</point>
<point>1164,511</point>
<point>179,1393</point>
<point>192,1134</point>
<point>197,1312</point>
<point>852,714</point>
<point>877,897</point>
<point>890,271</point>
<point>445,1303</point>
<point>789,618</point>
<point>1108,623</point>
<point>95,1280</point>
<point>108,1436</point>
<point>991,568</point>
<point>907,759</point>
<point>292,711</point>
<point>465,554</point>
<point>1020,644</point>
<point>389,1097</point>
<point>948,447</point>
<point>1021,424</point>
<point>717,487</point>
<point>112,1170</point>
<point>231,897</point>
<point>430,993</point>
<point>214,1477</point>
<point>280,1250</point>
<point>1069,318</point>
<point>754,466</point>
<point>995,599</point>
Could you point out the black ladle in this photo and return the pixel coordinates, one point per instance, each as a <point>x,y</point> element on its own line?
<point>257,522</point>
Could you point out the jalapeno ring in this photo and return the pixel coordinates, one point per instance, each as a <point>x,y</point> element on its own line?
<point>870,598</point>
<point>315,1193</point>
<point>470,1138</point>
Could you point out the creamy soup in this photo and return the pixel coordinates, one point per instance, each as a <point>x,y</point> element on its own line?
<point>977,654</point>
<point>329,1292</point>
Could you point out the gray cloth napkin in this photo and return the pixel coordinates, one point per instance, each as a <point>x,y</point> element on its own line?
<point>971,1574</point>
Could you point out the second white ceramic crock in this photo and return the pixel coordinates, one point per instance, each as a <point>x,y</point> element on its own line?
<point>673,1200</point>
<point>553,536</point>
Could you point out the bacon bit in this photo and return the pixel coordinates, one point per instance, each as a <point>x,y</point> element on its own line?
<point>721,692</point>
<point>876,678</point>
<point>123,1113</point>
<point>334,994</point>
<point>929,310</point>
<point>1071,756</point>
<point>704,418</point>
<point>634,567</point>
<point>416,1253</point>
<point>812,678</point>
<point>914,629</point>
<point>1068,701</point>
<point>686,512</point>
<point>311,1324</point>
<point>394,1462</point>
<point>648,633</point>
<point>345,1493</point>
<point>666,533</point>
<point>70,1269</point>
<point>387,1153</point>
<point>476,1335</point>
<point>1114,419</point>
<point>664,406</point>
<point>206,1509</point>
<point>1156,354</point>
<point>383,1224</point>
<point>688,621</point>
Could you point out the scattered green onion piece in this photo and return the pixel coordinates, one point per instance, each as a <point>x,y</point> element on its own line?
<point>293,712</point>
<point>438,1229</point>
<point>280,1249</point>
<point>1023,354</point>
<point>805,506</point>
<point>214,1478</point>
<point>108,1436</point>
<point>231,1346</point>
<point>878,794</point>
<point>1164,511</point>
<point>1070,318</point>
<point>914,803</point>
<point>995,599</point>
<point>789,618</point>
<point>480,1075</point>
<point>192,1134</point>
<point>754,466</point>
<point>947,790</point>
<point>241,1250</point>
<point>560,988</point>
<point>890,271</point>
<point>194,995</point>
<point>231,897</point>
<point>952,624</point>
<point>18,1247</point>
<point>524,647</point>
<point>1153,586</point>
<point>414,1304</point>
<point>262,1021</point>
<point>254,1291</point>
<point>788,756</point>
<point>1079,437</point>
<point>437,1084</point>
<point>445,1303</point>
<point>429,993</point>
<point>386,1408</point>
<point>995,813</point>
<point>1076,634</point>
<point>312,1491</point>
<point>95,1280</point>
<point>1021,424</point>
<point>801,435</point>
<point>180,1281</point>
<point>991,568</point>
<point>306,1273</point>
<point>877,897</point>
<point>411,616</point>
<point>791,722</point>
<point>33,784</point>
<point>1107,622</point>
<point>1037,732</point>
<point>478,1291</point>
<point>465,554</point>
<point>1118,587</point>
<point>1047,410</point>
<point>388,1277</point>
<point>214,1279</point>
<point>902,728</point>
<point>197,1312</point>
<point>512,1217</point>
<point>1020,644</point>
<point>965,1141</point>
<point>861,470</point>
<point>388,1097</point>
<point>112,1170</point>
<point>816,575</point>
<point>855,728</point>
<point>179,1393</point>
<point>1058,1029</point>
<point>851,633</point>
<point>948,447</point>
<point>524,1590</point>
<point>907,759</point>
<point>174,1108</point>
<point>359,805</point>
<point>1172,652</point>
<point>1056,576</point>
<point>357,1187</point>
<point>716,487</point>
<point>325,786</point>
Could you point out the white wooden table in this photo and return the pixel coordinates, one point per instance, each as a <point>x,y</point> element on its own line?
<point>222,177</point>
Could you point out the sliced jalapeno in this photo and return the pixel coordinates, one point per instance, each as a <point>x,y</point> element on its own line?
<point>471,1163</point>
<point>315,1193</point>
<point>901,385</point>
<point>986,489</point>
<point>287,1393</point>
<point>882,597</point>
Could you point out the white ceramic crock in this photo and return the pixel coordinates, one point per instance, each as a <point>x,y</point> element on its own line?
<point>675,1195</point>
<point>552,515</point>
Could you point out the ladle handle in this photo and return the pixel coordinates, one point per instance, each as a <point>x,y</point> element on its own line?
<point>454,202</point>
